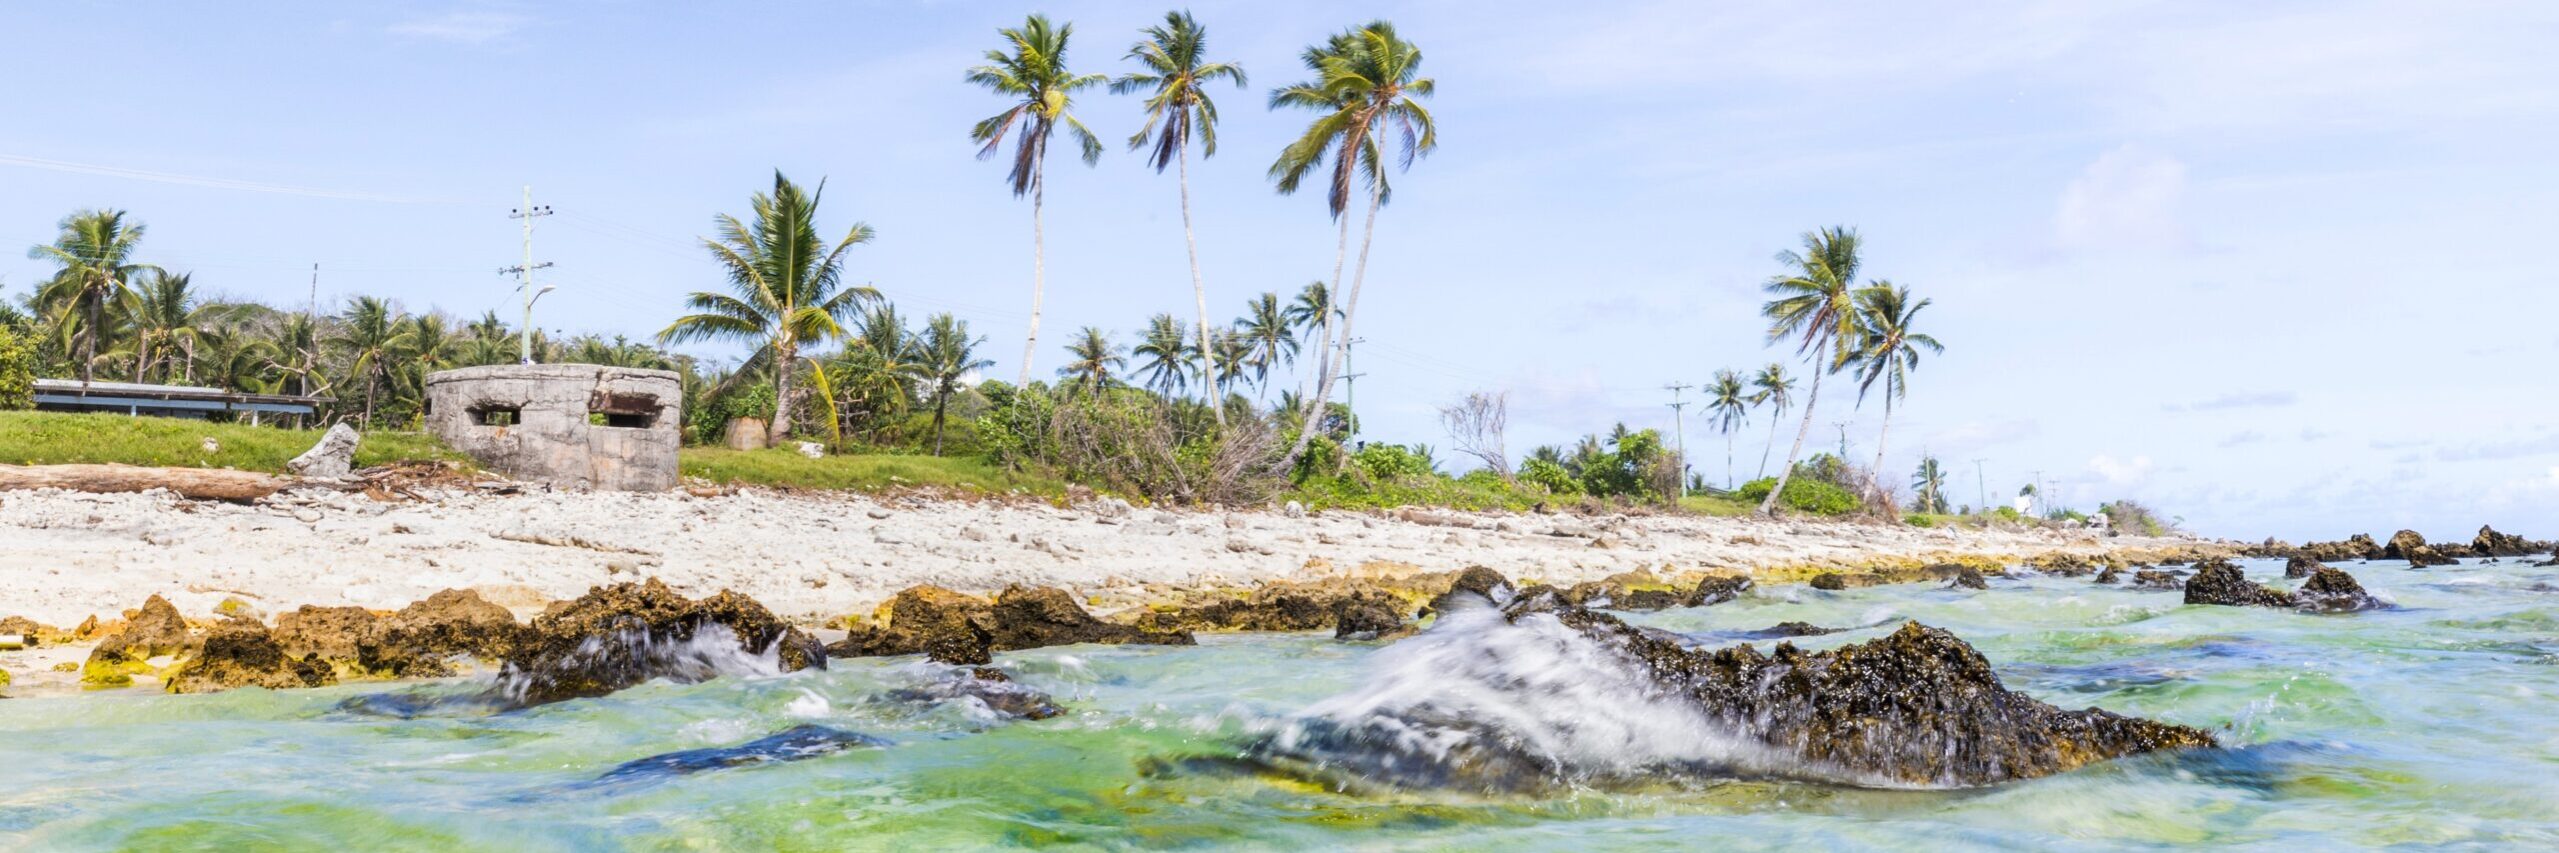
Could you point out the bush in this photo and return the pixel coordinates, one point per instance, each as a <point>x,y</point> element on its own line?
<point>1804,494</point>
<point>710,421</point>
<point>1919,520</point>
<point>1549,476</point>
<point>1132,442</point>
<point>1390,462</point>
<point>17,372</point>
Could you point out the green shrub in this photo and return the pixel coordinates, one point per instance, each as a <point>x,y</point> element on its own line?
<point>1919,520</point>
<point>1390,462</point>
<point>1803,495</point>
<point>1549,476</point>
<point>17,371</point>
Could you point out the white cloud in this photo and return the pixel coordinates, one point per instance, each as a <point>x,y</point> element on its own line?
<point>463,27</point>
<point>2120,472</point>
<point>2127,199</point>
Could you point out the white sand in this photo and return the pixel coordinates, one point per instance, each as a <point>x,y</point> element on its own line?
<point>66,556</point>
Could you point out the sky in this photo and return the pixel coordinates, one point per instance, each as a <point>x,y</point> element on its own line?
<point>2266,267</point>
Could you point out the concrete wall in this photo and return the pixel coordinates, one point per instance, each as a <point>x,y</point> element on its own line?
<point>535,422</point>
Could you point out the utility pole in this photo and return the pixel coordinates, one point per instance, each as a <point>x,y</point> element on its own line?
<point>524,272</point>
<point>1350,379</point>
<point>1982,485</point>
<point>2043,502</point>
<point>1843,440</point>
<point>315,293</point>
<point>1679,426</point>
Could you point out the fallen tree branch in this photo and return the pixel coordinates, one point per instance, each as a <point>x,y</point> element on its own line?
<point>204,484</point>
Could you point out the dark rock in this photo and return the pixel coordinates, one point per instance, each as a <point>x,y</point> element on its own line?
<point>2300,566</point>
<point>2407,545</point>
<point>1616,595</point>
<point>2159,579</point>
<point>2332,590</point>
<point>2109,576</point>
<point>421,639</point>
<point>1717,589</point>
<point>1477,581</point>
<point>1310,606</point>
<point>2220,582</point>
<point>985,685</point>
<point>1367,618</point>
<point>1830,581</point>
<point>792,744</point>
<point>1970,578</point>
<point>330,633</point>
<point>621,635</point>
<point>242,654</point>
<point>2069,564</point>
<point>1793,629</point>
<point>2490,543</point>
<point>943,625</point>
<point>1038,617</point>
<point>2356,547</point>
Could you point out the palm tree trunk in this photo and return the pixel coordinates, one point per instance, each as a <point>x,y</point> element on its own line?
<point>1765,449</point>
<point>1039,262</point>
<point>1878,470</point>
<point>786,355</point>
<point>141,355</point>
<point>941,402</point>
<point>1768,506</point>
<point>1199,292</point>
<point>1728,460</point>
<point>1313,405</point>
<point>89,339</point>
<point>1359,274</point>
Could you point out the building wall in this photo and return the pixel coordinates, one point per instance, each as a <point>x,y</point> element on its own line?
<point>536,422</point>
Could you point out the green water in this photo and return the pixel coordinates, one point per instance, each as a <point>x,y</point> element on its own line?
<point>2429,726</point>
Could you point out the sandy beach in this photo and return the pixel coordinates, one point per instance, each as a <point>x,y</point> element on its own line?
<point>815,557</point>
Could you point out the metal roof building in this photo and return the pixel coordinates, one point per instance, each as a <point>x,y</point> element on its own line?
<point>172,401</point>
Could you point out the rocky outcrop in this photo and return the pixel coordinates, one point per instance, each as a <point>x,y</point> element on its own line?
<point>2221,582</point>
<point>2167,580</point>
<point>960,629</point>
<point>621,635</point>
<point>2301,566</point>
<point>1717,589</point>
<point>329,633</point>
<point>151,632</point>
<point>1968,577</point>
<point>2490,543</point>
<point>1831,581</point>
<point>1625,592</point>
<point>2407,545</point>
<point>422,639</point>
<point>1349,608</point>
<point>2357,547</point>
<point>2331,590</point>
<point>243,654</point>
<point>1478,581</point>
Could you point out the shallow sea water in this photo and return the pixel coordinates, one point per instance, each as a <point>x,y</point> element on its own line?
<point>2434,725</point>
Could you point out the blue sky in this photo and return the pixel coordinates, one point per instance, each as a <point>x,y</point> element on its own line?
<point>2271,267</point>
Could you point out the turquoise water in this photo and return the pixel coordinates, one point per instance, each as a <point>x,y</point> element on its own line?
<point>2432,725</point>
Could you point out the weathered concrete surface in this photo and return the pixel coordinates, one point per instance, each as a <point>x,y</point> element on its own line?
<point>537,422</point>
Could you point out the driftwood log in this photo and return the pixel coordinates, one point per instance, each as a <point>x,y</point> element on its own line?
<point>207,484</point>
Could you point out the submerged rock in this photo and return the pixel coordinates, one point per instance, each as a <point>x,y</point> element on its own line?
<point>2159,579</point>
<point>1970,578</point>
<point>1717,589</point>
<point>2221,582</point>
<point>621,635</point>
<point>2300,566</point>
<point>2333,590</point>
<point>2110,575</point>
<point>1542,697</point>
<point>793,744</point>
<point>987,686</point>
<point>243,654</point>
<point>1792,629</point>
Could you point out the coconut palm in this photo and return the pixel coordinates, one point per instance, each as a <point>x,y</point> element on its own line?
<point>1094,359</point>
<point>1774,389</point>
<point>1231,351</point>
<point>786,289</point>
<point>1268,337</point>
<point>1167,351</point>
<point>1816,302</point>
<point>1313,313</point>
<point>1887,349</point>
<point>1366,82</point>
<point>1034,74</point>
<point>1177,105</point>
<point>370,336</point>
<point>1929,482</point>
<point>1728,406</point>
<point>948,356</point>
<point>879,369</point>
<point>164,325</point>
<point>94,281</point>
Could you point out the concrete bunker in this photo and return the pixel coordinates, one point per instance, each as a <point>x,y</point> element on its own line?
<point>575,426</point>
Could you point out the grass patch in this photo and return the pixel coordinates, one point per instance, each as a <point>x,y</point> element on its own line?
<point>57,438</point>
<point>1727,506</point>
<point>860,472</point>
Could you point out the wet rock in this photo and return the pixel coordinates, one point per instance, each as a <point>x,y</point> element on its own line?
<point>2221,582</point>
<point>2159,579</point>
<point>1368,618</point>
<point>2109,576</point>
<point>1480,581</point>
<point>2407,545</point>
<point>334,456</point>
<point>2300,566</point>
<point>1830,581</point>
<point>943,625</point>
<point>1622,592</point>
<point>793,744</point>
<point>1038,617</point>
<point>1970,578</point>
<point>2332,590</point>
<point>242,654</point>
<point>621,635</point>
<point>155,630</point>
<point>1792,629</point>
<point>1310,606</point>
<point>330,633</point>
<point>2068,564</point>
<point>1717,589</point>
<point>2490,543</point>
<point>988,687</point>
<point>2357,547</point>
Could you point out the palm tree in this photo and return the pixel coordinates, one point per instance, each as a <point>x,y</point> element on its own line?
<point>164,316</point>
<point>1930,482</point>
<point>949,355</point>
<point>1365,83</point>
<point>1313,313</point>
<point>1728,404</point>
<point>371,336</point>
<point>1167,351</point>
<point>298,344</point>
<point>1268,337</point>
<point>1887,349</point>
<point>1094,359</point>
<point>431,346</point>
<point>489,342</point>
<point>1231,351</point>
<point>1772,387</point>
<point>1817,303</point>
<point>97,270</point>
<point>1033,74</point>
<point>785,288</point>
<point>879,367</point>
<point>1177,105</point>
